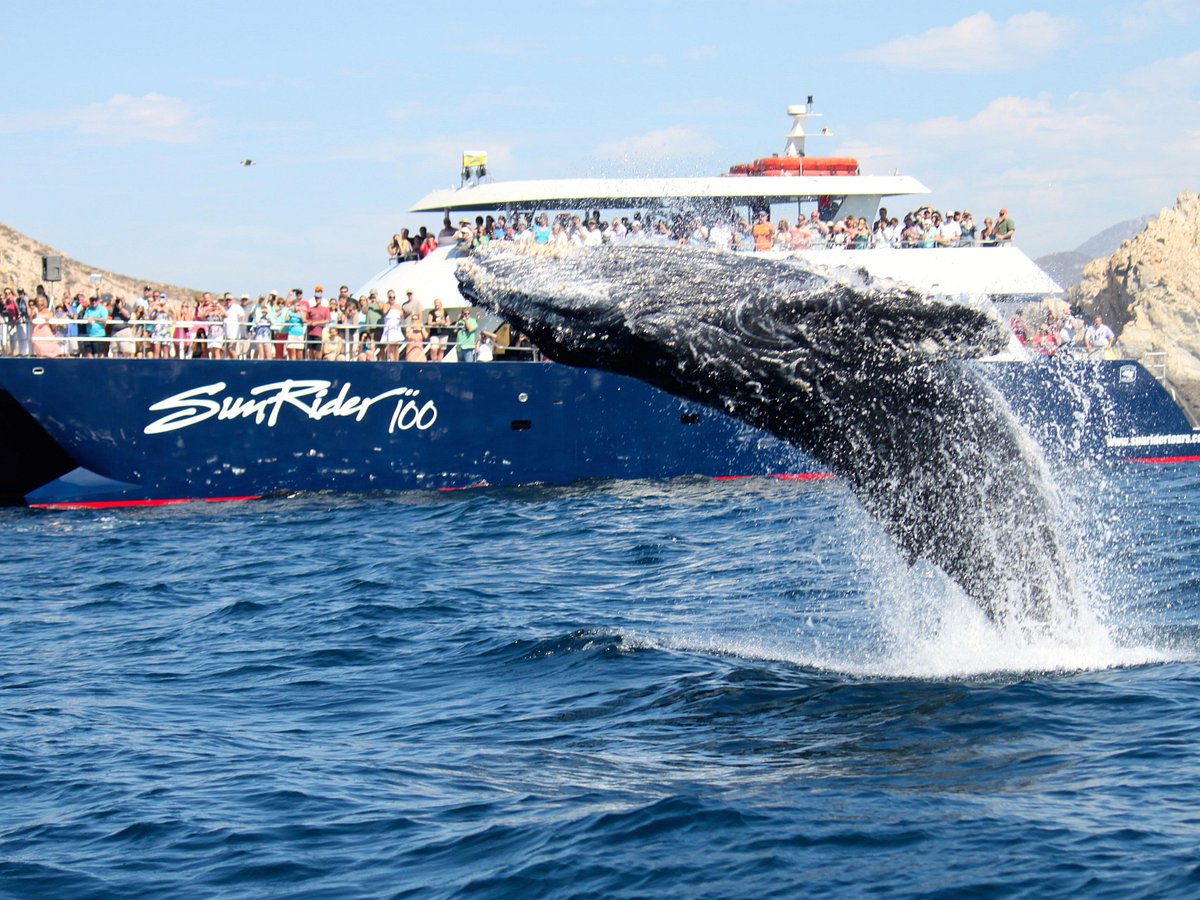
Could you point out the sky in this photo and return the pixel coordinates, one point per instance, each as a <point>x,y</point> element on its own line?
<point>122,125</point>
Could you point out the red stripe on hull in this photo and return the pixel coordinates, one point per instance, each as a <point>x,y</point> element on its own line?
<point>1163,460</point>
<point>118,504</point>
<point>792,476</point>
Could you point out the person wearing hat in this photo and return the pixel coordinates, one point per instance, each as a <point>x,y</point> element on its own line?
<point>1005,229</point>
<point>412,306</point>
<point>373,331</point>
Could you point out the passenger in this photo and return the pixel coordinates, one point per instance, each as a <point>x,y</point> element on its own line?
<point>1005,229</point>
<point>294,321</point>
<point>862,235</point>
<point>415,335</point>
<point>523,234</point>
<point>96,315</point>
<point>967,224</point>
<point>819,227</point>
<point>260,324</point>
<point>637,234</point>
<point>467,329</point>
<point>744,238</point>
<point>160,331</point>
<point>720,236</point>
<point>428,245</point>
<point>395,249</point>
<point>439,330</point>
<point>333,345</point>
<point>783,236</point>
<point>542,232</point>
<point>45,342</point>
<point>121,343</point>
<point>235,326</point>
<point>987,237</point>
<point>485,351</point>
<point>411,305</point>
<point>799,236</point>
<point>393,329</point>
<point>500,233</point>
<point>374,318</point>
<point>24,325</point>
<point>764,234</point>
<point>616,231</point>
<point>592,236</point>
<point>185,327</point>
<point>464,236</point>
<point>1019,328</point>
<point>1099,338</point>
<point>448,235</point>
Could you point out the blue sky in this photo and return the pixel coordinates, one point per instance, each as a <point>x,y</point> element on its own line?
<point>121,127</point>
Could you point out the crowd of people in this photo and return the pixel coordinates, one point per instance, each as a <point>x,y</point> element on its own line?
<point>1052,333</point>
<point>289,325</point>
<point>273,326</point>
<point>922,227</point>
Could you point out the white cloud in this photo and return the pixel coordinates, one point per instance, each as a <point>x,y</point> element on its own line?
<point>704,53</point>
<point>669,143</point>
<point>121,119</point>
<point>977,43</point>
<point>1066,166</point>
<point>125,119</point>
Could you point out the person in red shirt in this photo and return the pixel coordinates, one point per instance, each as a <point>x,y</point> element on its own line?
<point>316,320</point>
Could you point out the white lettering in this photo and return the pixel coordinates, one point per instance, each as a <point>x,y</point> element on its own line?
<point>190,409</point>
<point>267,401</point>
<point>1153,440</point>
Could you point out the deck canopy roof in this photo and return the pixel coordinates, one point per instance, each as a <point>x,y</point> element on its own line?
<point>626,193</point>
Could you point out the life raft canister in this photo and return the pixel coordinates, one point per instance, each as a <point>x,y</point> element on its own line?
<point>830,165</point>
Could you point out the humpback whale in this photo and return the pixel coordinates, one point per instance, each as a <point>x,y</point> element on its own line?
<point>874,381</point>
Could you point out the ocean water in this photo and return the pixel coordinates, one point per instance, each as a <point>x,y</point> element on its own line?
<point>685,688</point>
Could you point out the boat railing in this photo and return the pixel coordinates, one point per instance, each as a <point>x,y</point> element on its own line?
<point>194,338</point>
<point>1155,362</point>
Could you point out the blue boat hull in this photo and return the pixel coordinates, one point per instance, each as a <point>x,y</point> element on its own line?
<point>145,431</point>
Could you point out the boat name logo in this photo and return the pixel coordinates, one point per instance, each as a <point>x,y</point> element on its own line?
<point>265,403</point>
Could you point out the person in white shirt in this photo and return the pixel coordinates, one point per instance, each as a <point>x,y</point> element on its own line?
<point>524,233</point>
<point>235,327</point>
<point>1098,337</point>
<point>592,236</point>
<point>721,236</point>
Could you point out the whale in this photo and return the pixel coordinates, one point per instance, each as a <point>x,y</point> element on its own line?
<point>873,380</point>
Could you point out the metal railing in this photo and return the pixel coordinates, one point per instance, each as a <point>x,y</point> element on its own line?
<point>199,339</point>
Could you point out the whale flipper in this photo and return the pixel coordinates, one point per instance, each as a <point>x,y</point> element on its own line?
<point>873,382</point>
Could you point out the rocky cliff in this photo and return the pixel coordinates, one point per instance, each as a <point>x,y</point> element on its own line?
<point>1149,293</point>
<point>21,267</point>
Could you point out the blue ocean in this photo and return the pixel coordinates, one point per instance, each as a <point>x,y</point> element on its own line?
<point>685,688</point>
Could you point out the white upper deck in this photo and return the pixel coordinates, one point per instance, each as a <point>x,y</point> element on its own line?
<point>625,193</point>
<point>617,193</point>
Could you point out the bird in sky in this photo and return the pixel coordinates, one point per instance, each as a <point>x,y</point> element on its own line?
<point>246,162</point>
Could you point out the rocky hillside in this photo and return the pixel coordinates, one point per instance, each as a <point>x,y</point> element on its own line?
<point>21,267</point>
<point>1149,292</point>
<point>1067,267</point>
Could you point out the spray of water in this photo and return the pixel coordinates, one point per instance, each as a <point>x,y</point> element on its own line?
<point>873,382</point>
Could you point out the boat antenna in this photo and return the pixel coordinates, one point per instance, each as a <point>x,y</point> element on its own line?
<point>796,137</point>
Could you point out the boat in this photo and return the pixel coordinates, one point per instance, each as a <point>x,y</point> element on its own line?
<point>98,433</point>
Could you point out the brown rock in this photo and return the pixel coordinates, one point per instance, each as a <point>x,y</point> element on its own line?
<point>1149,294</point>
<point>21,267</point>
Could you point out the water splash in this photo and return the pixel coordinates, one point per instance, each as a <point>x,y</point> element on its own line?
<point>868,379</point>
